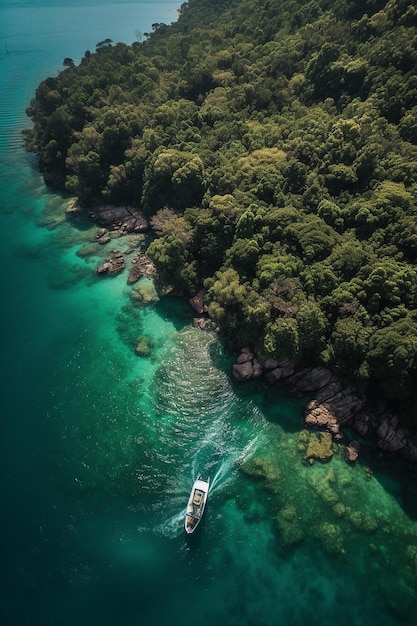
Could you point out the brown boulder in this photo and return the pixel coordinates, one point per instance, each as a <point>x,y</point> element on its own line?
<point>321,415</point>
<point>257,369</point>
<point>352,451</point>
<point>197,302</point>
<point>244,357</point>
<point>242,371</point>
<point>142,265</point>
<point>114,264</point>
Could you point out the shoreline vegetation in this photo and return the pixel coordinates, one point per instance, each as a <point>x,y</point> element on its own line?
<point>273,151</point>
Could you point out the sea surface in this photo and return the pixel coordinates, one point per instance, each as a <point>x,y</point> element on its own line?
<point>100,446</point>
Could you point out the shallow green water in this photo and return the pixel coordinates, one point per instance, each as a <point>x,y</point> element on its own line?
<point>100,446</point>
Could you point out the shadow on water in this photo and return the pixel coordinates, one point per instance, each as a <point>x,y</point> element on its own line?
<point>396,480</point>
<point>278,406</point>
<point>177,310</point>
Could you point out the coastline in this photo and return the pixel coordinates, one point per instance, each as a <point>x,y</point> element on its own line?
<point>332,406</point>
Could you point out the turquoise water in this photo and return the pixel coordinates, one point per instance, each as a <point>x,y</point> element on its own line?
<point>99,447</point>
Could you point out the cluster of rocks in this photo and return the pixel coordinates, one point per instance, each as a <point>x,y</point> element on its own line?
<point>247,366</point>
<point>102,236</point>
<point>123,219</point>
<point>205,323</point>
<point>197,302</point>
<point>142,265</point>
<point>333,406</point>
<point>114,264</point>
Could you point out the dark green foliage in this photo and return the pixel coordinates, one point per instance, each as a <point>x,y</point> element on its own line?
<point>274,144</point>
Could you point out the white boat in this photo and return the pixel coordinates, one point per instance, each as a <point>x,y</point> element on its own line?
<point>196,504</point>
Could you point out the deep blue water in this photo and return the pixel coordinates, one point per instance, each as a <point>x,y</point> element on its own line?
<point>99,447</point>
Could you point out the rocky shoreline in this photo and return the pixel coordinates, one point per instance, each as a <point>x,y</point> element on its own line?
<point>114,223</point>
<point>333,407</point>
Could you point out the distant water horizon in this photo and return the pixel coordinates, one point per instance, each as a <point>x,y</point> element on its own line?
<point>100,446</point>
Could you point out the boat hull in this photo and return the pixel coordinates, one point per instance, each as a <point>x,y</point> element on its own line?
<point>196,505</point>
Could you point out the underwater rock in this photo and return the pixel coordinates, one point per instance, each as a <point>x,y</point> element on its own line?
<point>266,469</point>
<point>330,536</point>
<point>144,294</point>
<point>324,490</point>
<point>363,522</point>
<point>319,447</point>
<point>339,510</point>
<point>411,552</point>
<point>289,524</point>
<point>143,346</point>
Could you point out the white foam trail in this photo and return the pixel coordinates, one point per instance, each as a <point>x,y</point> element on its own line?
<point>173,526</point>
<point>226,463</point>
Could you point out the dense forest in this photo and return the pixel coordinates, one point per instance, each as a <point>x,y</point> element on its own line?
<point>274,145</point>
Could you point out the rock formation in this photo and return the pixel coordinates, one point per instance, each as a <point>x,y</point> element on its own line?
<point>197,302</point>
<point>114,264</point>
<point>124,219</point>
<point>333,405</point>
<point>352,451</point>
<point>142,265</point>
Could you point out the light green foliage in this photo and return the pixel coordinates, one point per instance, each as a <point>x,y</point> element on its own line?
<point>282,338</point>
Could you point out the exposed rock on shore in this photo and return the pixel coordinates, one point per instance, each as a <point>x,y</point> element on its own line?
<point>197,302</point>
<point>205,323</point>
<point>124,219</point>
<point>114,264</point>
<point>247,366</point>
<point>102,236</point>
<point>142,265</point>
<point>352,451</point>
<point>333,406</point>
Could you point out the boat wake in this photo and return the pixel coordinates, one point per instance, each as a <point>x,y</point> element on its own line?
<point>209,462</point>
<point>219,464</point>
<point>211,443</point>
<point>173,526</point>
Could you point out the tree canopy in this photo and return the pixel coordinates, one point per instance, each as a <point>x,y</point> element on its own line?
<point>281,137</point>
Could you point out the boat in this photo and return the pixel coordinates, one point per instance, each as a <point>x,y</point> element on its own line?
<point>196,504</point>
